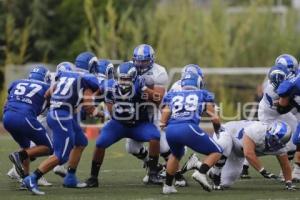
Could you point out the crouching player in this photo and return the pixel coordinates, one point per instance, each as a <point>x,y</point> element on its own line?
<point>181,114</point>
<point>247,140</point>
<point>25,101</point>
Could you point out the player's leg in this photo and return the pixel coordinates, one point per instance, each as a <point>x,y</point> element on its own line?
<point>200,142</point>
<point>112,132</point>
<point>63,140</point>
<point>174,140</point>
<point>35,132</point>
<point>80,142</point>
<point>296,141</point>
<point>148,132</point>
<point>292,121</point>
<point>231,170</point>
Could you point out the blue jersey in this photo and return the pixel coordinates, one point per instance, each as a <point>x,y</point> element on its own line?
<point>187,105</point>
<point>291,88</point>
<point>128,108</point>
<point>27,96</point>
<point>70,87</point>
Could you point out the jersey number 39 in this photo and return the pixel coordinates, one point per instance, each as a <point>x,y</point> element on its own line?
<point>188,103</point>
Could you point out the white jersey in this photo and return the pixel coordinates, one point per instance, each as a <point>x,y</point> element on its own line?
<point>232,139</point>
<point>159,75</point>
<point>267,105</point>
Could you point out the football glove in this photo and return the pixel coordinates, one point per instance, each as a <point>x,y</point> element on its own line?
<point>267,174</point>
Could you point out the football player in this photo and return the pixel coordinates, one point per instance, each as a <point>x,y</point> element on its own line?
<point>289,92</point>
<point>250,139</point>
<point>25,101</point>
<point>181,116</point>
<point>129,119</point>
<point>286,67</point>
<point>62,119</point>
<point>156,78</point>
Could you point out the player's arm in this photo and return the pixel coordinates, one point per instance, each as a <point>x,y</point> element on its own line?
<point>250,155</point>
<point>50,91</point>
<point>88,104</point>
<point>165,116</point>
<point>215,119</point>
<point>285,166</point>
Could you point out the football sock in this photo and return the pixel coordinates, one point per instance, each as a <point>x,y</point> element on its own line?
<point>95,169</point>
<point>38,174</point>
<point>71,170</point>
<point>23,155</point>
<point>153,161</point>
<point>204,168</point>
<point>169,179</point>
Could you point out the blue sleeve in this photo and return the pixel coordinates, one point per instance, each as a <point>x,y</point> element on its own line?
<point>285,88</point>
<point>90,82</point>
<point>208,96</point>
<point>108,90</point>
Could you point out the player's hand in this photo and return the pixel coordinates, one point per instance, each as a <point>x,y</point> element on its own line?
<point>141,83</point>
<point>267,174</point>
<point>289,186</point>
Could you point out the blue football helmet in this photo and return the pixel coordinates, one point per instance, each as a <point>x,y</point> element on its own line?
<point>40,73</point>
<point>143,58</point>
<point>103,69</point>
<point>64,67</point>
<point>193,68</point>
<point>126,75</point>
<point>277,135</point>
<point>289,61</point>
<point>277,75</point>
<point>190,80</point>
<point>85,60</point>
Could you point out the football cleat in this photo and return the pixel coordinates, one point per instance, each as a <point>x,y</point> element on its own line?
<point>16,160</point>
<point>154,178</point>
<point>60,170</point>
<point>202,180</point>
<point>43,182</point>
<point>168,189</point>
<point>191,163</point>
<point>245,172</point>
<point>92,182</point>
<point>216,179</point>
<point>31,184</point>
<point>12,173</point>
<point>180,181</point>
<point>22,186</point>
<point>70,181</point>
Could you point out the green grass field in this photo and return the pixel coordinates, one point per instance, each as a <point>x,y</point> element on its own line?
<point>121,178</point>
